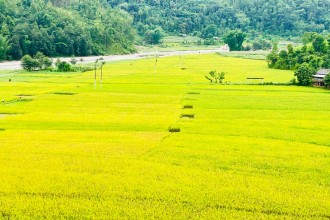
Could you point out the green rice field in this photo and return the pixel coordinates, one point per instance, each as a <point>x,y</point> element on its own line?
<point>70,149</point>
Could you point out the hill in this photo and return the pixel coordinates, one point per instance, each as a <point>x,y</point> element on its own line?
<point>209,18</point>
<point>80,28</point>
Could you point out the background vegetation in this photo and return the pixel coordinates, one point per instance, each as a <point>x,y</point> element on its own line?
<point>306,59</point>
<point>212,18</point>
<point>63,28</point>
<point>315,52</point>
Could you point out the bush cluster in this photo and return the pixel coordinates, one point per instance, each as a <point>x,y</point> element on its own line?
<point>305,60</point>
<point>38,62</point>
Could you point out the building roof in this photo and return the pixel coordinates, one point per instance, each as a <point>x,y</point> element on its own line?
<point>323,72</point>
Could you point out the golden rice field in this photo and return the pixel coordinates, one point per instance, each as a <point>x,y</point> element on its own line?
<point>72,151</point>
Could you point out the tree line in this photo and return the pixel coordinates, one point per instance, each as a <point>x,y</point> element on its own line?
<point>211,18</point>
<point>63,28</point>
<point>306,59</point>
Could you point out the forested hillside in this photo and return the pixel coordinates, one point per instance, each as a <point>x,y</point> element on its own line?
<point>78,28</point>
<point>83,27</point>
<point>209,18</point>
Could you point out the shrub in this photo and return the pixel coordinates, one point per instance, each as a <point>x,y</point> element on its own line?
<point>153,36</point>
<point>47,62</point>
<point>215,77</point>
<point>29,64</point>
<point>64,67</point>
<point>38,62</point>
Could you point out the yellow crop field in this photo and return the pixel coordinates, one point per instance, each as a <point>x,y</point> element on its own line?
<point>72,149</point>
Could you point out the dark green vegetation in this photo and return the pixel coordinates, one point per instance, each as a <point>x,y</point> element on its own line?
<point>82,27</point>
<point>215,77</point>
<point>78,28</point>
<point>210,18</point>
<point>235,40</point>
<point>304,74</point>
<point>38,62</point>
<point>327,80</point>
<point>307,59</point>
<point>315,52</point>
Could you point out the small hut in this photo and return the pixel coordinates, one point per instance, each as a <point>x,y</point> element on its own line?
<point>318,78</point>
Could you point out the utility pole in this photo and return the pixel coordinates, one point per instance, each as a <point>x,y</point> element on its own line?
<point>95,73</point>
<point>102,64</point>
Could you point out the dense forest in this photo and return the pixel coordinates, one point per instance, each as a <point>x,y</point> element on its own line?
<point>63,28</point>
<point>83,27</point>
<point>210,18</point>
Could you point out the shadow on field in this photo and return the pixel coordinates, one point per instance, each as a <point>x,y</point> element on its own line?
<point>188,107</point>
<point>174,129</point>
<point>64,93</point>
<point>190,116</point>
<point>14,101</point>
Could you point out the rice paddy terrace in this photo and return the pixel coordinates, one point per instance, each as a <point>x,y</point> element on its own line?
<point>157,140</point>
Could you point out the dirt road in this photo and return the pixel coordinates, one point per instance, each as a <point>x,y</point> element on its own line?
<point>16,65</point>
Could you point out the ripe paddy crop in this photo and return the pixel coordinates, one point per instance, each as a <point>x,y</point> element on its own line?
<point>79,151</point>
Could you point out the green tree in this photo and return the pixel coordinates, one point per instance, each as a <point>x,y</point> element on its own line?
<point>47,63</point>
<point>304,74</point>
<point>15,50</point>
<point>319,44</point>
<point>64,67</point>
<point>326,61</point>
<point>235,40</point>
<point>308,37</point>
<point>327,80</point>
<point>215,77</point>
<point>4,47</point>
<point>40,57</point>
<point>153,36</point>
<point>29,64</point>
<point>210,31</point>
<point>272,59</point>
